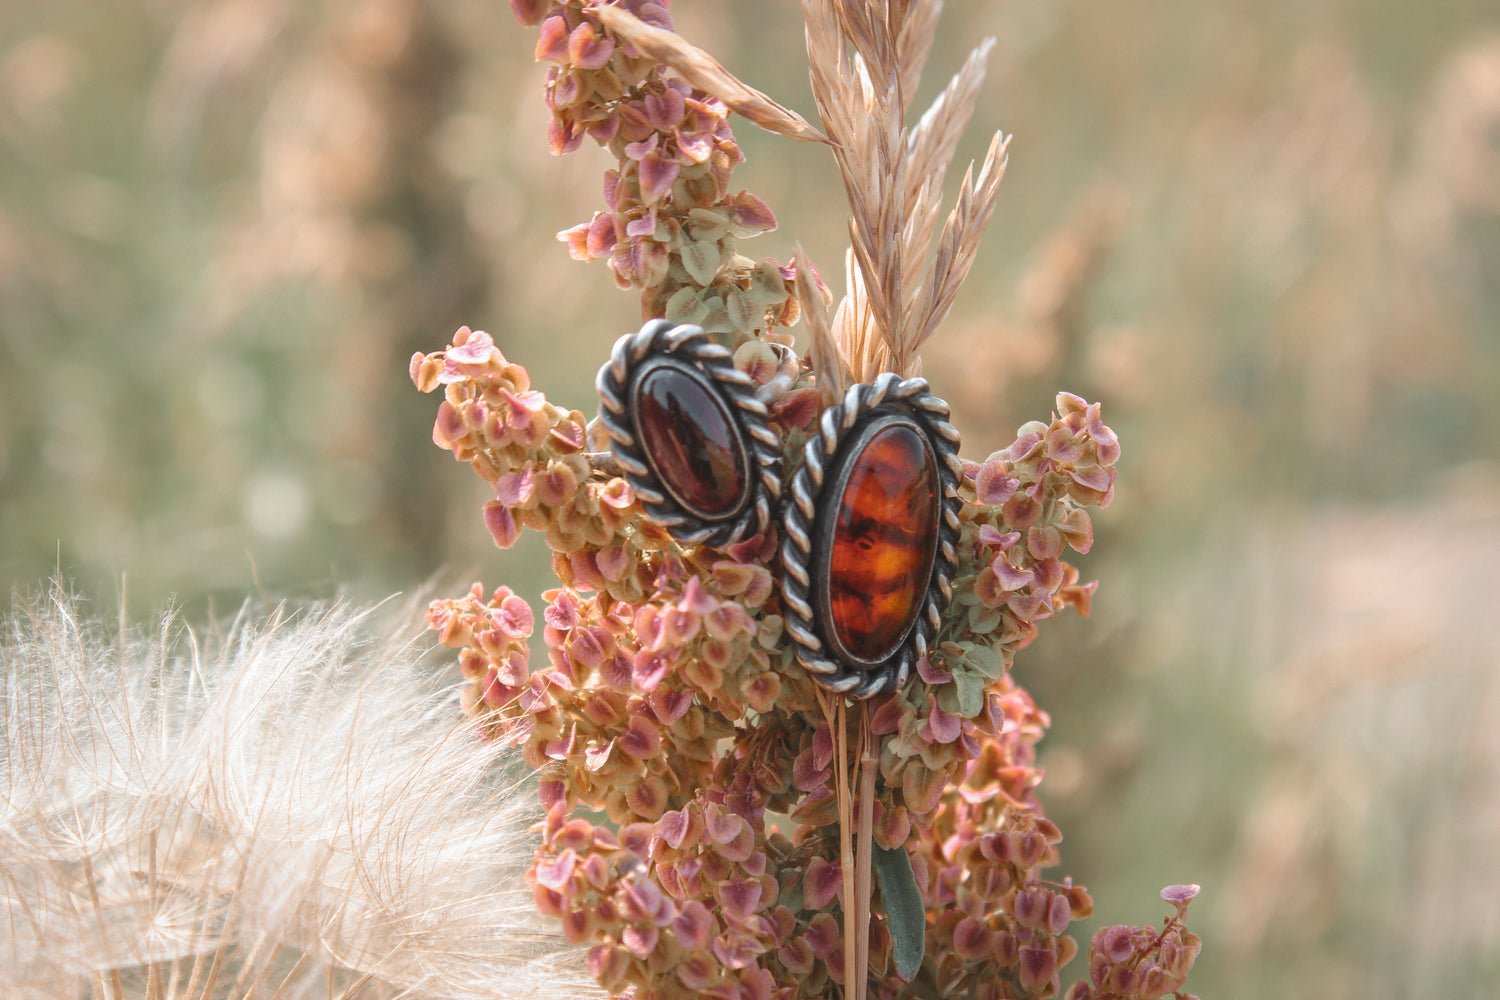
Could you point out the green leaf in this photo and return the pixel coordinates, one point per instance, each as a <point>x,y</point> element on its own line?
<point>708,225</point>
<point>701,258</point>
<point>964,697</point>
<point>741,311</point>
<point>903,909</point>
<point>982,619</point>
<point>766,285</point>
<point>715,318</point>
<point>791,896</point>
<point>985,661</point>
<point>685,305</point>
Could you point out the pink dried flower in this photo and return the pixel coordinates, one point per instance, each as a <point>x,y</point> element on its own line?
<point>669,699</point>
<point>1138,963</point>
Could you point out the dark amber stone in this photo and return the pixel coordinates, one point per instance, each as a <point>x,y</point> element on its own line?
<point>883,542</point>
<point>691,442</point>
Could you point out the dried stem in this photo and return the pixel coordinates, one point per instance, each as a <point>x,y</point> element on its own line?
<point>836,721</point>
<point>825,349</point>
<point>868,758</point>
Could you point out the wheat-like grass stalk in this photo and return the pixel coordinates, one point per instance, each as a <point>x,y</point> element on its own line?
<point>284,809</point>
<point>866,59</point>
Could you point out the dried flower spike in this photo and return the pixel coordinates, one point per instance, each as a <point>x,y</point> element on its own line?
<point>718,823</point>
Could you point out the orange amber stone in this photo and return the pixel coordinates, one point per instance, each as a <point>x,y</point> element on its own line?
<point>691,442</point>
<point>879,561</point>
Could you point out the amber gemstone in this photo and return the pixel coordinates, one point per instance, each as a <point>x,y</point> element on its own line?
<point>879,558</point>
<point>691,442</point>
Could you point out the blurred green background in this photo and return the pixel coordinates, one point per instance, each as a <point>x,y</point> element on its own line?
<point>1265,234</point>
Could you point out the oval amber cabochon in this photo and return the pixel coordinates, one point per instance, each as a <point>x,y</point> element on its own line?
<point>879,539</point>
<point>691,441</point>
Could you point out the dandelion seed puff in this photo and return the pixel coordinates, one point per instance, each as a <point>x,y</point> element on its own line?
<point>289,808</point>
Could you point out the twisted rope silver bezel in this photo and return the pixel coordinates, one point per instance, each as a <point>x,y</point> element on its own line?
<point>660,342</point>
<point>804,531</point>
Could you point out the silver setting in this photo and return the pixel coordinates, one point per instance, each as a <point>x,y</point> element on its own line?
<point>787,369</point>
<point>816,490</point>
<point>689,351</point>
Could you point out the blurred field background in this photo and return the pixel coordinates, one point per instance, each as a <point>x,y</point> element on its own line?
<point>1265,234</point>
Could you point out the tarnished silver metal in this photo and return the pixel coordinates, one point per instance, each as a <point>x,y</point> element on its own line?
<point>690,352</point>
<point>787,368</point>
<point>815,494</point>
